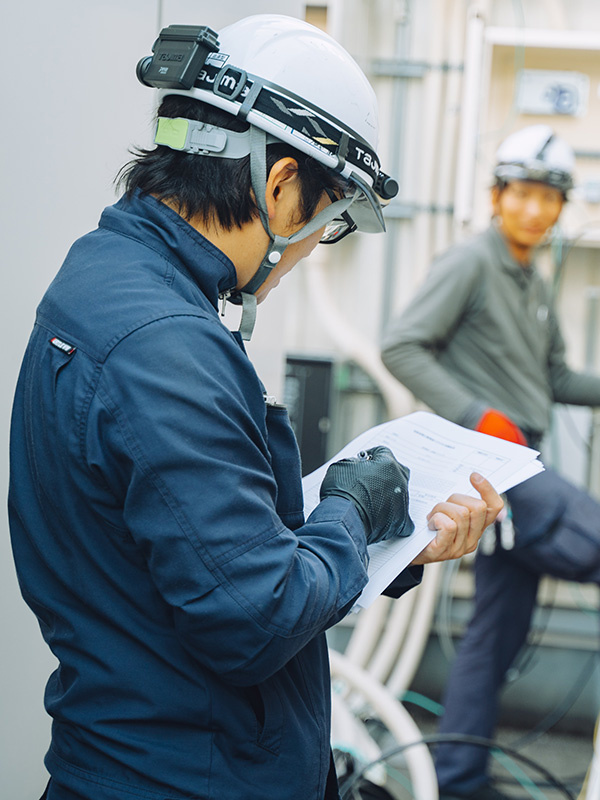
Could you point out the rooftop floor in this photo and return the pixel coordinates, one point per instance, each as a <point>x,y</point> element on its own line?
<point>566,757</point>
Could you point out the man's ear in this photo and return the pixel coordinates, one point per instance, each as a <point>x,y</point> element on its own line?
<point>495,193</point>
<point>281,194</point>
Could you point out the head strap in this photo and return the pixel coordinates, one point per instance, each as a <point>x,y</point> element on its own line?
<point>191,136</point>
<point>258,172</point>
<point>200,138</point>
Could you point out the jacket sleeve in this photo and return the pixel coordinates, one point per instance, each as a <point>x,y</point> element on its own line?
<point>568,386</point>
<point>175,431</point>
<point>413,340</point>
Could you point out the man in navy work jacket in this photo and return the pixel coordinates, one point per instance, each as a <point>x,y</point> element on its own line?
<point>155,499</point>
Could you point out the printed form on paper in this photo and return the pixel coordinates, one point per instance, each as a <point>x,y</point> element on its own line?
<point>441,456</point>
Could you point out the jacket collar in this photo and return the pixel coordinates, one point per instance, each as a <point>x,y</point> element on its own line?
<point>505,259</point>
<point>160,228</point>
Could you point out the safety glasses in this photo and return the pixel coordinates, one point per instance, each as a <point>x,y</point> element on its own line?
<point>338,228</point>
<point>364,214</point>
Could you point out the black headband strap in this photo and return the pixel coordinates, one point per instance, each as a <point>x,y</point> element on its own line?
<point>273,102</point>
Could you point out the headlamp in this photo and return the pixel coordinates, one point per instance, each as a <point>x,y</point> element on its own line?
<point>385,186</point>
<point>179,54</point>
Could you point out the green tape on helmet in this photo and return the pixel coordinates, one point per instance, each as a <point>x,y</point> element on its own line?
<point>172,132</point>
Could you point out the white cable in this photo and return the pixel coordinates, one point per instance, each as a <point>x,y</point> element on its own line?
<point>397,400</point>
<point>367,630</point>
<point>418,634</point>
<point>390,644</point>
<point>350,342</point>
<point>350,735</point>
<point>467,146</point>
<point>397,720</point>
<point>593,787</point>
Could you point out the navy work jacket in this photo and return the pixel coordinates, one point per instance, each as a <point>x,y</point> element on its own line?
<point>158,532</point>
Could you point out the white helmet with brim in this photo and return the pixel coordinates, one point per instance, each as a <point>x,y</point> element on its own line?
<point>536,154</point>
<point>293,83</point>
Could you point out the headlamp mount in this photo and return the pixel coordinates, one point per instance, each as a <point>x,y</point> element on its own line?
<point>385,186</point>
<point>179,54</point>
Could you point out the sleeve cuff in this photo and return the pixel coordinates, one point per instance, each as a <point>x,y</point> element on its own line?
<point>408,579</point>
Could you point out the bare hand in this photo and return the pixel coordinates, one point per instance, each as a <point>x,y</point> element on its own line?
<point>460,522</point>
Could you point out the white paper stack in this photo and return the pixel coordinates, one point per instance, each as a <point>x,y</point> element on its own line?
<point>441,456</point>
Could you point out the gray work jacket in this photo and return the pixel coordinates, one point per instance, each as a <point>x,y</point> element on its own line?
<point>482,332</point>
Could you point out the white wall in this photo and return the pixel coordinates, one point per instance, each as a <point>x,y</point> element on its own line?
<point>70,112</point>
<point>71,109</point>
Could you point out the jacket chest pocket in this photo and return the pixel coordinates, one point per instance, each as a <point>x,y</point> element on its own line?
<point>49,412</point>
<point>285,462</point>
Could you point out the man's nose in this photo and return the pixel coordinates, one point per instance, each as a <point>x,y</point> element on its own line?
<point>534,207</point>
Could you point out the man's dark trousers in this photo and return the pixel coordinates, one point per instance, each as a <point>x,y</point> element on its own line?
<point>506,585</point>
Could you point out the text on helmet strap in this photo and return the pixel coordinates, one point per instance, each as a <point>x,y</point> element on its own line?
<point>235,85</point>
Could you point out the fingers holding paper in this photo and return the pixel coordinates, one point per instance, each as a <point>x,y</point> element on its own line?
<point>460,521</point>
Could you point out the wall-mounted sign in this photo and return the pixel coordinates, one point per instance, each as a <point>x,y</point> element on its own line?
<point>542,91</point>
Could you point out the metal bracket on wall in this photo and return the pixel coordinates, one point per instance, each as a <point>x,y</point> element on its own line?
<point>401,68</point>
<point>410,210</point>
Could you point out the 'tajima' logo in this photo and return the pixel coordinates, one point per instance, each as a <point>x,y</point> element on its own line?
<point>170,57</point>
<point>367,158</point>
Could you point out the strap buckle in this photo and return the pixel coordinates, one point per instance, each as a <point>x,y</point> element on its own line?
<point>229,82</point>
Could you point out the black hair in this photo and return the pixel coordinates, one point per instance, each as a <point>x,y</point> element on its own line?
<point>216,189</point>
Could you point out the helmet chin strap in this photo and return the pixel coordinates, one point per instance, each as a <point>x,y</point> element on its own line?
<point>277,244</point>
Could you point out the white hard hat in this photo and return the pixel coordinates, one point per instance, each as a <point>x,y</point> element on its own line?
<point>535,153</point>
<point>306,64</point>
<point>292,83</point>
<point>297,84</point>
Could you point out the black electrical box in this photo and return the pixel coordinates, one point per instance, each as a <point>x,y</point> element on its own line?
<point>307,392</point>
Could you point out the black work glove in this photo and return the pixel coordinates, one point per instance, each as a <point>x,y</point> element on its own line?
<point>377,484</point>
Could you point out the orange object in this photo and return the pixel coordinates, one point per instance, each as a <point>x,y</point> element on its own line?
<point>495,423</point>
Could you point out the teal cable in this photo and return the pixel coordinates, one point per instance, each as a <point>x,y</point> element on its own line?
<point>520,776</point>
<point>497,752</point>
<point>423,702</point>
